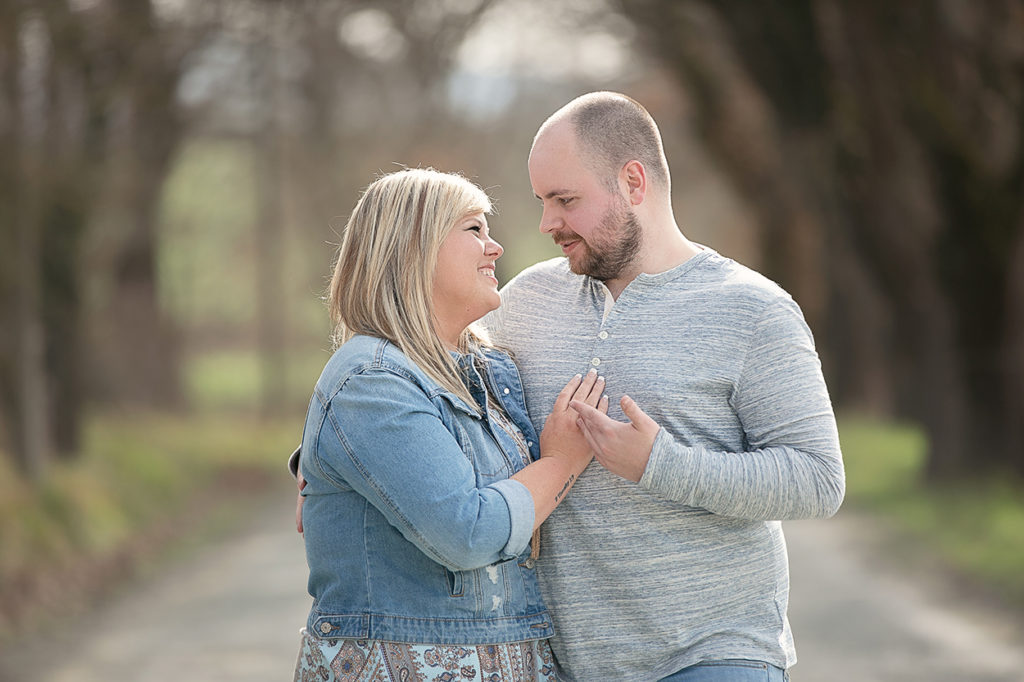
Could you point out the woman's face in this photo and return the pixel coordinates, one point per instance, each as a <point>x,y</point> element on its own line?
<point>465,288</point>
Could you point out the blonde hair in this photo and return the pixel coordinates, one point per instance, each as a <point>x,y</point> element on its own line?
<point>384,273</point>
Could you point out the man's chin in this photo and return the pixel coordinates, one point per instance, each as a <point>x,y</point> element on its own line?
<point>578,265</point>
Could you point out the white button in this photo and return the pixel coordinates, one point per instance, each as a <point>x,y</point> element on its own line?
<point>529,443</point>
<point>595,362</point>
<point>603,335</point>
<point>506,391</point>
<point>325,627</point>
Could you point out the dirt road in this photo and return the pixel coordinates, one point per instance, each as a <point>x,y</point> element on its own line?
<point>861,614</point>
<point>232,612</point>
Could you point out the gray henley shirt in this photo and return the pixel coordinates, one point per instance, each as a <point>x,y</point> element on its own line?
<point>690,563</point>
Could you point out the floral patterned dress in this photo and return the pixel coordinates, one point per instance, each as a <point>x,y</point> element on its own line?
<point>349,660</point>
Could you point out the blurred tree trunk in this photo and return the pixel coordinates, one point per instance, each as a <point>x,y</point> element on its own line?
<point>270,306</point>
<point>142,353</point>
<point>64,88</point>
<point>888,140</point>
<point>23,379</point>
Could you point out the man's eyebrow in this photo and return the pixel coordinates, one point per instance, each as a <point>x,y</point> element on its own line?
<point>554,193</point>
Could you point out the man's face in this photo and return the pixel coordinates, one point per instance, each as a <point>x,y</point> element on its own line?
<point>592,223</point>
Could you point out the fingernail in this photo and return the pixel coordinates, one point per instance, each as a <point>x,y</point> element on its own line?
<point>592,371</point>
<point>600,378</point>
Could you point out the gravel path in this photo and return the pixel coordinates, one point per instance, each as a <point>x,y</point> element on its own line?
<point>861,613</point>
<point>232,612</point>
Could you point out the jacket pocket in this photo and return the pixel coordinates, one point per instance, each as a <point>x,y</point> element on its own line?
<point>456,587</point>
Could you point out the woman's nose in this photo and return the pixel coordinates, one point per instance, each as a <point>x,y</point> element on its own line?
<point>494,248</point>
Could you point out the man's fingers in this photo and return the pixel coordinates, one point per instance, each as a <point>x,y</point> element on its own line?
<point>301,482</point>
<point>591,441</point>
<point>633,412</point>
<point>593,417</point>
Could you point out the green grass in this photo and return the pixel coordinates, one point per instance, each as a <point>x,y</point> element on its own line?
<point>976,526</point>
<point>137,477</point>
<point>232,380</point>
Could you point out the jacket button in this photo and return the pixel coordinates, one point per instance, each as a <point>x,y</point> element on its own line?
<point>326,627</point>
<point>506,391</point>
<point>530,563</point>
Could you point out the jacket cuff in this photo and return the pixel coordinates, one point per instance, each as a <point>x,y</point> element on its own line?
<point>520,512</point>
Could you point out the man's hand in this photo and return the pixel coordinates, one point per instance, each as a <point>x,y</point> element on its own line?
<point>301,482</point>
<point>622,448</point>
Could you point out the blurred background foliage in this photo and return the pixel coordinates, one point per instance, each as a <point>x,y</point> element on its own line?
<point>174,175</point>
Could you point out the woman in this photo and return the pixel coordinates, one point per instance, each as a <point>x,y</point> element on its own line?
<point>424,477</point>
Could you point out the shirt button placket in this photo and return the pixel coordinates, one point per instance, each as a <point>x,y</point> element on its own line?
<point>602,335</point>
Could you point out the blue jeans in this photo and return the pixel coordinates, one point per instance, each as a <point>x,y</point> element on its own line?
<point>731,670</point>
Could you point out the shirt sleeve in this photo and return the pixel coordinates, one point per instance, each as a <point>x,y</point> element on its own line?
<point>385,439</point>
<point>792,467</point>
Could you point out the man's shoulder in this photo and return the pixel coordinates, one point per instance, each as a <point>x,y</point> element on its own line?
<point>739,281</point>
<point>551,272</point>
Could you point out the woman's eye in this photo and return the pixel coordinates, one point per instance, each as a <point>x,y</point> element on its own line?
<point>475,228</point>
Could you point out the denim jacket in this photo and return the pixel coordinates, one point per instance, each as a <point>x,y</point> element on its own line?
<point>414,531</point>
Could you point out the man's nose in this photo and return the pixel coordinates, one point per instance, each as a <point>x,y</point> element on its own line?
<point>549,221</point>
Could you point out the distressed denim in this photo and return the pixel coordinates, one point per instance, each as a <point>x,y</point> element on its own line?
<point>414,531</point>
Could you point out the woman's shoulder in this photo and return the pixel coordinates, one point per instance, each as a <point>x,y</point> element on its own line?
<point>363,355</point>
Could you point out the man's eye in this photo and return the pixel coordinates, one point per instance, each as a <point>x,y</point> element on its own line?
<point>565,201</point>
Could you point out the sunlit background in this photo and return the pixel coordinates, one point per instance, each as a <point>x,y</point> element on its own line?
<point>175,174</point>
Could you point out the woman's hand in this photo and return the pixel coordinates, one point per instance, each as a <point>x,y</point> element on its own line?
<point>564,451</point>
<point>562,436</point>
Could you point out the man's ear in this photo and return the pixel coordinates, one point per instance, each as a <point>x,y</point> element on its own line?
<point>634,177</point>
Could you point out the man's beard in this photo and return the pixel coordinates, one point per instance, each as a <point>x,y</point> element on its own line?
<point>615,245</point>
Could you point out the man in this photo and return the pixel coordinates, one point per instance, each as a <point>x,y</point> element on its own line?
<point>668,559</point>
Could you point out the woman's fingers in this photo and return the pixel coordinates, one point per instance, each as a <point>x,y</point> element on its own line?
<point>590,389</point>
<point>567,393</point>
<point>586,388</point>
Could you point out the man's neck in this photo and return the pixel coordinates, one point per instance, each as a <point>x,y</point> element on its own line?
<point>661,255</point>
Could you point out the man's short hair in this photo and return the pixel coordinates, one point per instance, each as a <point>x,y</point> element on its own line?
<point>613,129</point>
